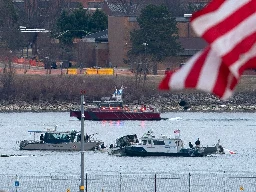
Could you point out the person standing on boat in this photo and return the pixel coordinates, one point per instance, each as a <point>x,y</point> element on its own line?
<point>102,146</point>
<point>87,138</point>
<point>190,145</point>
<point>72,135</point>
<point>41,138</point>
<point>197,143</point>
<point>78,137</point>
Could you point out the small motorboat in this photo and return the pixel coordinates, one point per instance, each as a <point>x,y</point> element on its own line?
<point>150,145</point>
<point>56,140</point>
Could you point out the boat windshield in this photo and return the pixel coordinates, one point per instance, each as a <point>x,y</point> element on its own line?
<point>157,142</point>
<point>56,137</point>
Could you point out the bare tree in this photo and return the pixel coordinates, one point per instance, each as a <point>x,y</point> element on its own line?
<point>10,38</point>
<point>125,7</point>
<point>133,7</point>
<point>40,15</point>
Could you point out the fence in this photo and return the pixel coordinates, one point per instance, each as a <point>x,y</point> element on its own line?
<point>125,182</point>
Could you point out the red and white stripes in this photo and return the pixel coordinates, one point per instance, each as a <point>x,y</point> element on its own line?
<point>200,73</point>
<point>229,26</point>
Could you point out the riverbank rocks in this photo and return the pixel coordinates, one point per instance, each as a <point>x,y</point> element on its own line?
<point>169,102</point>
<point>36,107</point>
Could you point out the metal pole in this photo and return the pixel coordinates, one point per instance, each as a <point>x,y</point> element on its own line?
<point>86,182</point>
<point>155,182</point>
<point>82,143</point>
<point>97,54</point>
<point>120,182</point>
<point>189,175</point>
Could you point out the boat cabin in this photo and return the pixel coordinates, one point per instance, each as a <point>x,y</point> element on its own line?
<point>162,141</point>
<point>111,104</point>
<point>161,144</point>
<point>56,137</point>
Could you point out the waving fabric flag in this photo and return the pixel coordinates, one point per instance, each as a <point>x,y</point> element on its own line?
<point>204,71</point>
<point>177,131</point>
<point>229,28</point>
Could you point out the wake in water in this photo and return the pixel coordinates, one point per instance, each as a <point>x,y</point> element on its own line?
<point>175,119</point>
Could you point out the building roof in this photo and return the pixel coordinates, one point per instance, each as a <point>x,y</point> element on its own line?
<point>182,19</point>
<point>192,43</point>
<point>100,36</point>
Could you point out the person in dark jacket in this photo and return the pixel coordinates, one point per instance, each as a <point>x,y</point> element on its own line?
<point>190,145</point>
<point>41,138</point>
<point>197,143</point>
<point>87,138</point>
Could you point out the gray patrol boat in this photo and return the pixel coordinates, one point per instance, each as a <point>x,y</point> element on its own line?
<point>55,140</point>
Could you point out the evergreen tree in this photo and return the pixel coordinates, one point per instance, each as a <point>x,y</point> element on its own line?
<point>79,23</point>
<point>157,36</point>
<point>71,25</point>
<point>98,21</point>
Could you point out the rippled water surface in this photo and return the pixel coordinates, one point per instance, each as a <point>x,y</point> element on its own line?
<point>237,132</point>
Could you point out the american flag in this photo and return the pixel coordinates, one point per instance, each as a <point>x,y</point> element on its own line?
<point>229,28</point>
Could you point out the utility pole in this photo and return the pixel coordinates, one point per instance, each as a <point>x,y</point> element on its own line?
<point>82,142</point>
<point>145,66</point>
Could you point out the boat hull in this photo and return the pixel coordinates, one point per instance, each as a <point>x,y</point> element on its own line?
<point>71,146</point>
<point>141,152</point>
<point>116,115</point>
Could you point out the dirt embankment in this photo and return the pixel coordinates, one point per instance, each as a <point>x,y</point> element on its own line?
<point>62,93</point>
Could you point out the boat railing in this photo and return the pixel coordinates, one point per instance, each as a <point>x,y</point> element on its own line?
<point>143,108</point>
<point>32,141</point>
<point>94,141</point>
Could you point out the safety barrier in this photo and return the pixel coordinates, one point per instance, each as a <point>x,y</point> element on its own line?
<point>72,71</point>
<point>106,71</point>
<point>91,71</point>
<point>31,62</point>
<point>101,71</point>
<point>125,182</point>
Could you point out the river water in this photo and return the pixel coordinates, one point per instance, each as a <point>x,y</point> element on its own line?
<point>236,131</point>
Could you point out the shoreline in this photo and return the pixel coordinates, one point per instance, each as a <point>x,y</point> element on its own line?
<point>162,108</point>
